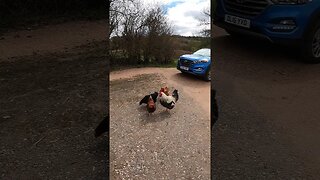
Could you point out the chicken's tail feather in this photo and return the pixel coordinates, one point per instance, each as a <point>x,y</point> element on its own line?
<point>144,100</point>
<point>175,95</point>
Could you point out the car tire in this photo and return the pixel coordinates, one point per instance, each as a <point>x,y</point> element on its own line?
<point>233,33</point>
<point>207,76</point>
<point>310,48</point>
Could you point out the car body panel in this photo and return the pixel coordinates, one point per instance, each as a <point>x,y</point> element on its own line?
<point>194,67</point>
<point>263,23</point>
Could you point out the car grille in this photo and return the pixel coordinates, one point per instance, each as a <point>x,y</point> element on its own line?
<point>185,62</point>
<point>249,8</point>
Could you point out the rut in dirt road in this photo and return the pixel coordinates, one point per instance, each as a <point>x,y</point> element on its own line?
<point>268,126</point>
<point>169,143</point>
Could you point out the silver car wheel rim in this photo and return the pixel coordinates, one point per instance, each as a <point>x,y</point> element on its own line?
<point>316,44</point>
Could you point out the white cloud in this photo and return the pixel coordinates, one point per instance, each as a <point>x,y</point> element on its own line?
<point>183,14</point>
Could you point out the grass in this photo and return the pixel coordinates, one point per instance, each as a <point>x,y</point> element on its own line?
<point>184,45</point>
<point>12,23</point>
<point>173,64</point>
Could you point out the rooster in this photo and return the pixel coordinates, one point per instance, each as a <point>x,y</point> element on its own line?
<point>102,127</point>
<point>166,100</point>
<point>165,90</point>
<point>146,98</point>
<point>151,106</point>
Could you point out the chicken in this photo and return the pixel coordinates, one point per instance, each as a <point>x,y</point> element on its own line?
<point>214,108</point>
<point>168,101</point>
<point>146,98</point>
<point>165,90</point>
<point>102,127</point>
<point>151,106</point>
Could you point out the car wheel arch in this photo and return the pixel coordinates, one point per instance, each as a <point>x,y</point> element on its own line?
<point>312,21</point>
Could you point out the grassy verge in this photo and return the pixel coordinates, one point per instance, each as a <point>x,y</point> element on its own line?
<point>34,21</point>
<point>173,64</point>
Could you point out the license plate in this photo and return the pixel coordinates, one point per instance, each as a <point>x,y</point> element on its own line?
<point>184,68</point>
<point>237,21</point>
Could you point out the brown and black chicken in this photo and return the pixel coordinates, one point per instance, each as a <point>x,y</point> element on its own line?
<point>151,105</point>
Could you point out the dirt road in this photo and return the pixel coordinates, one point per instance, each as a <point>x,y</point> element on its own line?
<point>51,38</point>
<point>193,86</point>
<point>167,145</point>
<point>50,102</point>
<point>269,120</point>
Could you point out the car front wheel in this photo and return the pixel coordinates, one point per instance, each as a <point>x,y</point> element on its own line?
<point>311,47</point>
<point>207,76</point>
<point>233,33</point>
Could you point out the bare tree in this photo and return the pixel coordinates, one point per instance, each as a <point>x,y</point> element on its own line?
<point>158,44</point>
<point>133,31</point>
<point>143,33</point>
<point>205,22</point>
<point>124,17</point>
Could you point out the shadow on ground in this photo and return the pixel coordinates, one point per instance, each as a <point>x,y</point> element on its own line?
<point>267,100</point>
<point>50,105</point>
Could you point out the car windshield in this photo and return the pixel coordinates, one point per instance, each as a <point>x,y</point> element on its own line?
<point>203,52</point>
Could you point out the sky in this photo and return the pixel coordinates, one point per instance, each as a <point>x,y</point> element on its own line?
<point>183,15</point>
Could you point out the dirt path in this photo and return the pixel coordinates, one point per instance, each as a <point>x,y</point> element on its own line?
<point>51,38</point>
<point>165,145</point>
<point>51,101</point>
<point>269,124</point>
<point>197,89</point>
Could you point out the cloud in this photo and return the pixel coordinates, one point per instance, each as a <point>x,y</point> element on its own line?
<point>184,15</point>
<point>194,14</point>
<point>171,4</point>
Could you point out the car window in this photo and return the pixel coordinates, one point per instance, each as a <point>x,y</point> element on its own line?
<point>203,52</point>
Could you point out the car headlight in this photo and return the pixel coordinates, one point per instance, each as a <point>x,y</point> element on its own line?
<point>201,61</point>
<point>291,1</point>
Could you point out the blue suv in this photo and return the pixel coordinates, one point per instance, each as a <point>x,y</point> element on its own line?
<point>198,63</point>
<point>280,21</point>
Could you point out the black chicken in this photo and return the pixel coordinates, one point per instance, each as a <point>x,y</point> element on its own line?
<point>214,108</point>
<point>146,98</point>
<point>102,127</point>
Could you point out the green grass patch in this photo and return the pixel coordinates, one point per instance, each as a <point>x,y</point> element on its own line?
<point>173,64</point>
